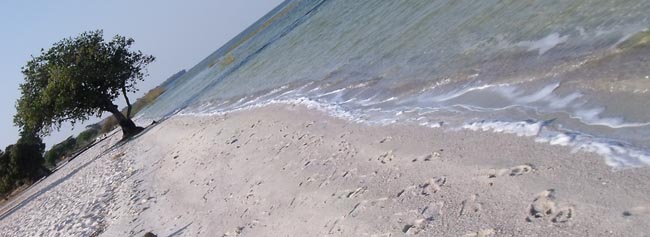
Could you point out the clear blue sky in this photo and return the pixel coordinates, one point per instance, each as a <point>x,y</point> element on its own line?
<point>178,33</point>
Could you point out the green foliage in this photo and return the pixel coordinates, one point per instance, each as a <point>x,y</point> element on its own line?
<point>6,179</point>
<point>75,79</point>
<point>147,99</point>
<point>59,150</point>
<point>21,163</point>
<point>27,157</point>
<point>71,144</point>
<point>86,137</point>
<point>78,78</point>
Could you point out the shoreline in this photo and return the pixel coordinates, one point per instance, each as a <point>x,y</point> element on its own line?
<point>288,170</point>
<point>617,153</point>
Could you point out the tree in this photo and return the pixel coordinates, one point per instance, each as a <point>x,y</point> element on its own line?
<point>26,158</point>
<point>78,78</point>
<point>6,181</point>
<point>22,163</point>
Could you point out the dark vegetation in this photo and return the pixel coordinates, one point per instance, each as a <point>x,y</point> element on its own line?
<point>24,162</point>
<point>75,79</point>
<point>110,123</point>
<point>72,145</point>
<point>79,78</point>
<point>21,163</point>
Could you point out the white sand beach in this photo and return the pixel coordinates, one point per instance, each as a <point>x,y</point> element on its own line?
<point>285,170</point>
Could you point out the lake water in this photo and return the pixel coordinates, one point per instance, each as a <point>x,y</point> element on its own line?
<point>570,73</point>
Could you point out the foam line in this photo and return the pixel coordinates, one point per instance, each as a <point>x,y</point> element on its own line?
<point>617,154</point>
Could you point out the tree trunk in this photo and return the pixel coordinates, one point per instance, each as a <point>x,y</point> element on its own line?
<point>128,103</point>
<point>128,126</point>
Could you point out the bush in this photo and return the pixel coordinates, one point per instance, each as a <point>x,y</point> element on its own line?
<point>147,99</point>
<point>108,124</point>
<point>86,137</point>
<point>5,173</point>
<point>21,163</point>
<point>59,150</point>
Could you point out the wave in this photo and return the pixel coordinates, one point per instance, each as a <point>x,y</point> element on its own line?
<point>580,80</point>
<point>618,154</point>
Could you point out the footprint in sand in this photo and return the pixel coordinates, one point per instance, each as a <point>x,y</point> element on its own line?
<point>520,170</point>
<point>259,122</point>
<point>563,215</point>
<point>544,207</point>
<point>237,231</point>
<point>349,173</point>
<point>367,203</point>
<point>232,140</point>
<point>637,211</point>
<point>513,171</point>
<point>433,210</point>
<point>386,139</point>
<point>348,193</point>
<point>433,185</point>
<point>386,157</point>
<point>429,157</point>
<point>482,233</point>
<point>416,227</point>
<point>470,206</point>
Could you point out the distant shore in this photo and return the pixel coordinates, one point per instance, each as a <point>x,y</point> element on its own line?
<point>286,170</point>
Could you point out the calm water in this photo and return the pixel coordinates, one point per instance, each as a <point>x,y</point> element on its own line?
<point>571,73</point>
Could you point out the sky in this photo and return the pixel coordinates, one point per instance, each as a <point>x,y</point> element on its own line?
<point>178,33</point>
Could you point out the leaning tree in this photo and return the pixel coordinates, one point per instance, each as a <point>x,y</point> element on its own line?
<point>78,78</point>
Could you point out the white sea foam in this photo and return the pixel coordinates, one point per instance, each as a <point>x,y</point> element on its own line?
<point>559,139</point>
<point>352,109</point>
<point>332,92</point>
<point>592,117</point>
<point>545,100</point>
<point>522,128</point>
<point>616,154</point>
<point>460,92</point>
<point>389,99</point>
<point>431,124</point>
<point>332,110</point>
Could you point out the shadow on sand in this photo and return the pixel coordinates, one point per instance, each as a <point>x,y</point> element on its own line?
<point>180,231</point>
<point>52,185</point>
